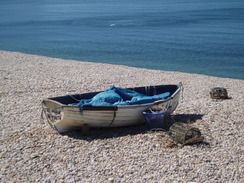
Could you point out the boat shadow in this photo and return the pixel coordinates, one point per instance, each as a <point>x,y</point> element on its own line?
<point>109,132</point>
<point>116,132</point>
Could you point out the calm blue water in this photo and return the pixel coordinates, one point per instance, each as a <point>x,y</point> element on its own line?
<point>194,36</point>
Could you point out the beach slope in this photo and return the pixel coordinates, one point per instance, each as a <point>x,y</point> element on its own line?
<point>31,151</point>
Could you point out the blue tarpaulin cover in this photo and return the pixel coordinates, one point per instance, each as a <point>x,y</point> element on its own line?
<point>120,96</point>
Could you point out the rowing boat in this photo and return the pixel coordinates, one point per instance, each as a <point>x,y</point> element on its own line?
<point>64,113</point>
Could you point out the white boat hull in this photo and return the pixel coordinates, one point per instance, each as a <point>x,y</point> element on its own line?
<point>64,117</point>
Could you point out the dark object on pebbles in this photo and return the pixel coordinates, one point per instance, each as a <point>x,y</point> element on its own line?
<point>154,120</point>
<point>184,134</point>
<point>218,93</point>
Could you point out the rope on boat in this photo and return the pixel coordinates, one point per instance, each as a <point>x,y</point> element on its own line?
<point>44,112</point>
<point>146,90</point>
<point>74,98</point>
<point>44,109</point>
<point>114,116</point>
<point>154,91</point>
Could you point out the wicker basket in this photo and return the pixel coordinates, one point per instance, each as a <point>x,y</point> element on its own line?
<point>184,134</point>
<point>218,93</point>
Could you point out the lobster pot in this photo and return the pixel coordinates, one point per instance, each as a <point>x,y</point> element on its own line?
<point>154,120</point>
<point>218,93</point>
<point>183,133</point>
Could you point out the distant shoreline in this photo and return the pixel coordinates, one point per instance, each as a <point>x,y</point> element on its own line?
<point>113,64</point>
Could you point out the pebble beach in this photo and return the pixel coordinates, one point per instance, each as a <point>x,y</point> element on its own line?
<point>31,151</point>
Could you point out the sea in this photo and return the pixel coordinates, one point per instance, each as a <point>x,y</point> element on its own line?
<point>193,36</point>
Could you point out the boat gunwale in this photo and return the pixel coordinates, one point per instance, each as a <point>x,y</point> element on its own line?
<point>52,99</point>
